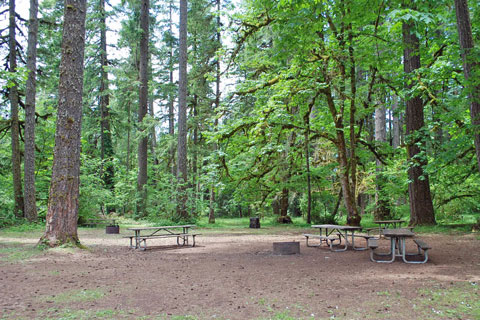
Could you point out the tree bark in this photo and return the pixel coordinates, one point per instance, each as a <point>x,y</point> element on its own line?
<point>106,152</point>
<point>182,115</point>
<point>211,214</point>
<point>421,207</point>
<point>171,114</point>
<point>30,93</point>
<point>142,110</point>
<point>62,215</point>
<point>382,212</point>
<point>15,129</point>
<point>471,69</point>
<point>397,124</point>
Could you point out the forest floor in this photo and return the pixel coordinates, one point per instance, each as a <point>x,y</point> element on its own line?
<point>233,274</point>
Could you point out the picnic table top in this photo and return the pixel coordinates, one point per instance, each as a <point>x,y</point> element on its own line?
<point>388,221</point>
<point>398,233</point>
<point>335,226</point>
<point>161,227</point>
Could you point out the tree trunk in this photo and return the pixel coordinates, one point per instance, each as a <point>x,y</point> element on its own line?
<point>382,212</point>
<point>171,98</point>
<point>307,165</point>
<point>142,111</point>
<point>62,215</point>
<point>30,207</point>
<point>106,152</point>
<point>211,212</point>
<point>421,207</point>
<point>15,129</point>
<point>182,115</point>
<point>471,69</point>
<point>211,215</point>
<point>397,124</point>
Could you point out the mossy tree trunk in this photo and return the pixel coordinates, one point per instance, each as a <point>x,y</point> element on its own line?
<point>62,214</point>
<point>30,93</point>
<point>182,176</point>
<point>142,111</point>
<point>106,151</point>
<point>15,128</point>
<point>421,206</point>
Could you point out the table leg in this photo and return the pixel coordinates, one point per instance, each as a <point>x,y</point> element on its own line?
<point>137,239</point>
<point>345,236</point>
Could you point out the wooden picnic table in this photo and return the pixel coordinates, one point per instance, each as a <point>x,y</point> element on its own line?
<point>181,232</point>
<point>341,232</point>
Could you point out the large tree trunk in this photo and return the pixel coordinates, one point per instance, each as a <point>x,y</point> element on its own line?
<point>106,151</point>
<point>142,110</point>
<point>382,212</point>
<point>421,207</point>
<point>62,212</point>
<point>29,166</point>
<point>182,115</point>
<point>471,68</point>
<point>15,129</point>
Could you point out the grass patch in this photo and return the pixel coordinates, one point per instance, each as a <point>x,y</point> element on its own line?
<point>68,314</point>
<point>75,296</point>
<point>16,252</point>
<point>460,301</point>
<point>241,223</point>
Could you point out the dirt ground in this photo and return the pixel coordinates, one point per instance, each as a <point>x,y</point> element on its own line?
<point>234,275</point>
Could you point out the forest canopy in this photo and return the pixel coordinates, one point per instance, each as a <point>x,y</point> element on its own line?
<point>309,108</point>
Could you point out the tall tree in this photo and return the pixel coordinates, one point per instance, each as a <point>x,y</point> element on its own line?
<point>182,114</point>
<point>106,152</point>
<point>62,214</point>
<point>142,109</point>
<point>171,98</point>
<point>15,128</point>
<point>421,206</point>
<point>471,69</point>
<point>211,212</point>
<point>381,209</point>
<point>30,93</point>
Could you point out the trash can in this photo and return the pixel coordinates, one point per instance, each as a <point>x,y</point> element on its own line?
<point>255,222</point>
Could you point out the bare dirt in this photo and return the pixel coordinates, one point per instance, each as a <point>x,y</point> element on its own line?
<point>233,275</point>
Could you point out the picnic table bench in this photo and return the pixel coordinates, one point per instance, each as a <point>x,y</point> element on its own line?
<point>159,232</point>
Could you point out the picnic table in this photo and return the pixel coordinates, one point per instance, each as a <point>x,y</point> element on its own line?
<point>141,235</point>
<point>398,239</point>
<point>332,233</point>
<point>386,224</point>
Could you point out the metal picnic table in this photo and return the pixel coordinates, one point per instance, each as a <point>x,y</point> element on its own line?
<point>343,232</point>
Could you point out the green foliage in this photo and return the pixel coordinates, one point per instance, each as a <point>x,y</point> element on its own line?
<point>254,145</point>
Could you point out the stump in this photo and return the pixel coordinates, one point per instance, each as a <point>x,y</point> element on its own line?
<point>255,222</point>
<point>284,248</point>
<point>112,229</point>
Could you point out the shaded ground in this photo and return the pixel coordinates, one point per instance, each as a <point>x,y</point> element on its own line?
<point>234,276</point>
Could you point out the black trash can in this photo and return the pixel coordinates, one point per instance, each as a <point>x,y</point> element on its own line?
<point>255,222</point>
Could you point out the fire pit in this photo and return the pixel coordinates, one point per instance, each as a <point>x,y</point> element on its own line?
<point>284,248</point>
